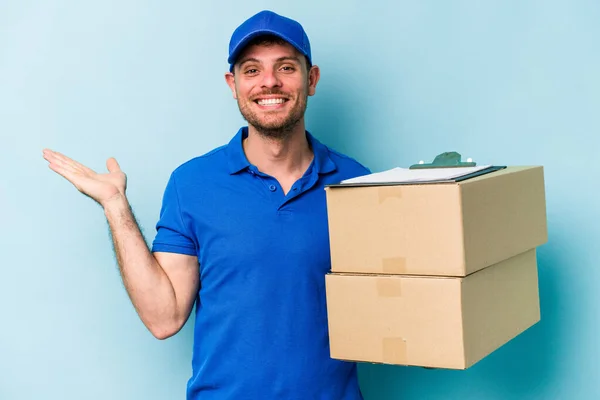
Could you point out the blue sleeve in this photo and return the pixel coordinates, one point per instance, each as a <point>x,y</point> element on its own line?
<point>366,170</point>
<point>359,170</point>
<point>172,233</point>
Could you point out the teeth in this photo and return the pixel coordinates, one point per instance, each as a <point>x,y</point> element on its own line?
<point>267,102</point>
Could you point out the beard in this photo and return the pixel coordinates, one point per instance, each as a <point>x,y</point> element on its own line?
<point>271,124</point>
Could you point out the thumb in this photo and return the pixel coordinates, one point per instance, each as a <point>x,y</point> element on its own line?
<point>112,165</point>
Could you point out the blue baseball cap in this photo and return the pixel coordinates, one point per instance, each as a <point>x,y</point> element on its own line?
<point>268,23</point>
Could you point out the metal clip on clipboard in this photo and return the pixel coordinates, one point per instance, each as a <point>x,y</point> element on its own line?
<point>449,159</point>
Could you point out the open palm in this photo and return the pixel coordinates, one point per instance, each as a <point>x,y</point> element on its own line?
<point>100,187</point>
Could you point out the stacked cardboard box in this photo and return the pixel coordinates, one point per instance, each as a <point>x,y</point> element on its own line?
<point>434,275</point>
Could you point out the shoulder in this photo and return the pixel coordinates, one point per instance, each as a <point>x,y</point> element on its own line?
<point>346,165</point>
<point>208,163</point>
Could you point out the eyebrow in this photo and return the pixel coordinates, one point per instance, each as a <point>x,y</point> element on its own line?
<point>280,59</point>
<point>288,58</point>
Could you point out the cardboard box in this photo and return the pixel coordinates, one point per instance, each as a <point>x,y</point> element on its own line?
<point>440,322</point>
<point>449,229</point>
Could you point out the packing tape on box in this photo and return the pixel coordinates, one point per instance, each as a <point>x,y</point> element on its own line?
<point>386,192</point>
<point>394,350</point>
<point>394,265</point>
<point>389,287</point>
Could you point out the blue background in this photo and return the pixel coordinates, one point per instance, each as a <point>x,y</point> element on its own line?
<point>508,82</point>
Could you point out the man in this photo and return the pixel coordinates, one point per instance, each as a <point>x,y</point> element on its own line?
<point>243,234</point>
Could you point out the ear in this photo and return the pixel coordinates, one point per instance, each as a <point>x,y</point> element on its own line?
<point>230,79</point>
<point>314,74</point>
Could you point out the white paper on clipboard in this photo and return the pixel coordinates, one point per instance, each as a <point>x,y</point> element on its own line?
<point>405,175</point>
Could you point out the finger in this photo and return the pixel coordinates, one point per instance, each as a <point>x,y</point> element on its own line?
<point>112,165</point>
<point>69,161</point>
<point>64,172</point>
<point>49,155</point>
<point>59,156</point>
<point>63,165</point>
<point>72,163</point>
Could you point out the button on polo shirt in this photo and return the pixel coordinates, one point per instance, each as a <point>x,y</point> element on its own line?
<point>261,322</point>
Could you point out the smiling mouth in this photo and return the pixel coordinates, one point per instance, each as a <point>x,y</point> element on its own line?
<point>270,102</point>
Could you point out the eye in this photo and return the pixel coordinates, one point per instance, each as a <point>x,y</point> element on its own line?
<point>288,68</point>
<point>251,71</point>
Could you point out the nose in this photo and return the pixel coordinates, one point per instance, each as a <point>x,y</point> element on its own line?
<point>270,79</point>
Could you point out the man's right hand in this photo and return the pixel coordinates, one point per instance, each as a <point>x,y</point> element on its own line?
<point>162,286</point>
<point>101,187</point>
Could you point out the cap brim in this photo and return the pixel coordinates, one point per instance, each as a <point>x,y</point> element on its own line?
<point>249,37</point>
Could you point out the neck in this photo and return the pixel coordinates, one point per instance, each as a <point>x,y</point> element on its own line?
<point>287,155</point>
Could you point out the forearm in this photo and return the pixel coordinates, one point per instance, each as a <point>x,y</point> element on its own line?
<point>147,284</point>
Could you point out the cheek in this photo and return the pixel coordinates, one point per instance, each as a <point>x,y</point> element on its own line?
<point>242,90</point>
<point>296,91</point>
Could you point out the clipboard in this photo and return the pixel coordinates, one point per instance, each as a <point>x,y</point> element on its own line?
<point>444,160</point>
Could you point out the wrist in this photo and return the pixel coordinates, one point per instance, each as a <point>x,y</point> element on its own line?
<point>115,204</point>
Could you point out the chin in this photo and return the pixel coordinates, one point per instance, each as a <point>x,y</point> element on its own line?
<point>270,124</point>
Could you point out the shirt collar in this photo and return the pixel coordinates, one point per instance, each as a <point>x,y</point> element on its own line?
<point>237,158</point>
<point>322,162</point>
<point>235,152</point>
